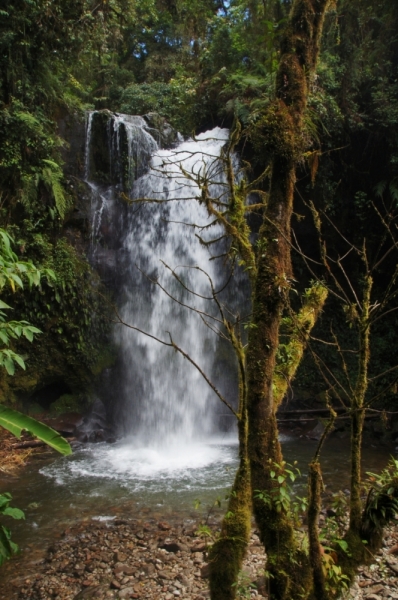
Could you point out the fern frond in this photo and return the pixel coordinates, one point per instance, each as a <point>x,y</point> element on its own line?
<point>394,191</point>
<point>380,188</point>
<point>52,178</point>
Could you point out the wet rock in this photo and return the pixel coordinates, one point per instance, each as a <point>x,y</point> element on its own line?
<point>120,557</point>
<point>149,573</point>
<point>164,575</point>
<point>199,547</point>
<point>97,591</point>
<point>96,425</point>
<point>168,137</point>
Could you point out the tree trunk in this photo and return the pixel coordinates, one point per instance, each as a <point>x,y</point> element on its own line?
<point>227,553</point>
<point>358,412</point>
<point>289,570</point>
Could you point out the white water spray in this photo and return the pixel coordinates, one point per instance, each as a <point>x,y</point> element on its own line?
<point>162,399</point>
<point>175,402</point>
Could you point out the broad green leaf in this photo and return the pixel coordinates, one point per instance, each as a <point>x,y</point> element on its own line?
<point>34,329</point>
<point>9,365</point>
<point>28,334</point>
<point>6,549</point>
<point>15,513</point>
<point>18,359</point>
<point>17,279</point>
<point>4,337</point>
<point>16,423</point>
<point>4,500</point>
<point>6,239</point>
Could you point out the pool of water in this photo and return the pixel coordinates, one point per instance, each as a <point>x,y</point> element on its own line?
<point>114,480</point>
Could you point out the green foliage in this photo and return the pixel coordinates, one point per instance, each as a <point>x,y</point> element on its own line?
<point>66,403</point>
<point>7,546</point>
<point>244,585</point>
<point>69,312</point>
<point>382,500</point>
<point>336,581</point>
<point>205,532</point>
<point>174,100</point>
<point>281,496</point>
<point>12,272</point>
<point>30,172</point>
<point>16,423</point>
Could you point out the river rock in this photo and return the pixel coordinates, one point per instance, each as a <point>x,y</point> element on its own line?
<point>96,425</point>
<point>375,589</point>
<point>205,571</point>
<point>128,592</point>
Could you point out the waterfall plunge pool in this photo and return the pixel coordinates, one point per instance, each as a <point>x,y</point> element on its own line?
<point>108,481</point>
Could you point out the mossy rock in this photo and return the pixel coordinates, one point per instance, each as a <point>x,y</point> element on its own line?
<point>67,403</point>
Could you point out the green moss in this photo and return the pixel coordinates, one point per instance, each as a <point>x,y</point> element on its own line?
<point>73,347</point>
<point>298,328</point>
<point>358,555</point>
<point>67,403</point>
<point>227,553</point>
<point>274,132</point>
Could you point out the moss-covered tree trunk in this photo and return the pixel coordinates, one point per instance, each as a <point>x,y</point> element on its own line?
<point>228,552</point>
<point>357,409</point>
<point>315,487</point>
<point>289,570</point>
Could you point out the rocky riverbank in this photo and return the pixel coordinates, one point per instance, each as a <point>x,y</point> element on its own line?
<point>130,558</point>
<point>126,559</point>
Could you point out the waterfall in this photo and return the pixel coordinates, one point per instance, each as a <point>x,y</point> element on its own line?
<point>163,267</point>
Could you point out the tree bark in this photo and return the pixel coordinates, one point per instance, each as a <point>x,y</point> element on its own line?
<point>358,412</point>
<point>282,129</point>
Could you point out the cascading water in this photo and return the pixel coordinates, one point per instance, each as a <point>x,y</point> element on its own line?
<point>154,245</point>
<point>171,398</point>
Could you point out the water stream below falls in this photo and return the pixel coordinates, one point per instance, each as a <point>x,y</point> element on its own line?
<point>104,481</point>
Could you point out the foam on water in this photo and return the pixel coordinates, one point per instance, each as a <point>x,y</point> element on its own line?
<point>177,467</point>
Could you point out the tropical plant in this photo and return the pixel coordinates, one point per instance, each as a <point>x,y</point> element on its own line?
<point>16,422</point>
<point>7,546</point>
<point>12,272</point>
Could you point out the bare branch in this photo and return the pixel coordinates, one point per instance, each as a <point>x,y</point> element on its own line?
<point>172,344</point>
